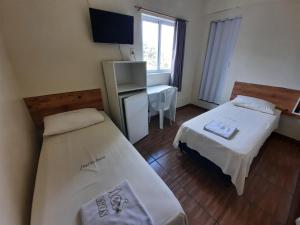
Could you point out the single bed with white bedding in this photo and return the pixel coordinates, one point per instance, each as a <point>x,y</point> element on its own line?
<point>233,156</point>
<point>75,167</point>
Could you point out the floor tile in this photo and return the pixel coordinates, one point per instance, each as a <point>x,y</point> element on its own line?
<point>207,195</point>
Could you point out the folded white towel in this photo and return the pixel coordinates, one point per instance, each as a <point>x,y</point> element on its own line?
<point>119,206</point>
<point>221,129</point>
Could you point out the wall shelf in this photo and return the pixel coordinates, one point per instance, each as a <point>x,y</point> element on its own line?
<point>296,110</point>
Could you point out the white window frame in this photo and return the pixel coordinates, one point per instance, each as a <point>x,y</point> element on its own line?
<point>160,21</point>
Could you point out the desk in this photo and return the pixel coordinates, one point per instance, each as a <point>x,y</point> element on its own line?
<point>154,90</point>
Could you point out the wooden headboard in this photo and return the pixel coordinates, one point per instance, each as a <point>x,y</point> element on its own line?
<point>46,105</point>
<point>285,99</point>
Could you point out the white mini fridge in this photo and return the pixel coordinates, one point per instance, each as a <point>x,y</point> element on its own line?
<point>134,110</point>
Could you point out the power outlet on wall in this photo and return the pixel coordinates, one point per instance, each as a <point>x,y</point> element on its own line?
<point>132,54</point>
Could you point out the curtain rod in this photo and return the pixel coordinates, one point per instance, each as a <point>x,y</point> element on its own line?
<point>139,8</point>
<point>223,10</point>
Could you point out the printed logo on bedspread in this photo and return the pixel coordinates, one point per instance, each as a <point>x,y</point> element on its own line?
<point>86,165</point>
<point>116,201</point>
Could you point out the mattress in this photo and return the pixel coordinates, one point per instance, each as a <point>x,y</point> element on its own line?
<point>77,166</point>
<point>233,156</point>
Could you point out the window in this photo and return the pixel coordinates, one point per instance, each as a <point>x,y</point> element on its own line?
<point>158,35</point>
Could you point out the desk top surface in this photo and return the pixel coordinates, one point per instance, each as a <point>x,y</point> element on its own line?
<point>157,88</point>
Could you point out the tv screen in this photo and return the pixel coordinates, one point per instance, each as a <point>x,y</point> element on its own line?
<point>109,27</point>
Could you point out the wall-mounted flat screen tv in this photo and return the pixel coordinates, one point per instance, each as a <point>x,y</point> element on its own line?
<point>109,27</point>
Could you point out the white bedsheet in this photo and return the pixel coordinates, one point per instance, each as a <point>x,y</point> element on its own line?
<point>233,156</point>
<point>76,167</point>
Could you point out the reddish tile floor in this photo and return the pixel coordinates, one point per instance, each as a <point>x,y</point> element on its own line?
<point>207,196</point>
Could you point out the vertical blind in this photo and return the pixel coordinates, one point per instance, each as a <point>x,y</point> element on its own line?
<point>222,38</point>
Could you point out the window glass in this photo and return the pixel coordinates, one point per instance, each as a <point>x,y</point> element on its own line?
<point>158,37</point>
<point>167,35</point>
<point>150,44</point>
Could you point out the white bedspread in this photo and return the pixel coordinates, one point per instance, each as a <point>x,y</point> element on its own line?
<point>75,167</point>
<point>233,156</point>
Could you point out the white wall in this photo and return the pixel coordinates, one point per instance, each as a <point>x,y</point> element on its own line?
<point>17,149</point>
<point>158,79</point>
<point>51,48</point>
<point>267,51</point>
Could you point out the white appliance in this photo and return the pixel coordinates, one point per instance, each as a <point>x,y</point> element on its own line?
<point>134,111</point>
<point>126,86</point>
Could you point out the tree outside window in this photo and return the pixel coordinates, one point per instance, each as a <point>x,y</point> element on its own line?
<point>158,36</point>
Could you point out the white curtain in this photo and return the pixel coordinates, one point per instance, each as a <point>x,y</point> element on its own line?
<point>222,38</point>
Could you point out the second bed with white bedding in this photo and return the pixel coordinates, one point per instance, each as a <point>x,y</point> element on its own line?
<point>77,166</point>
<point>233,156</point>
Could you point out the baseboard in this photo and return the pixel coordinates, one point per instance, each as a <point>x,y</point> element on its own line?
<point>190,105</point>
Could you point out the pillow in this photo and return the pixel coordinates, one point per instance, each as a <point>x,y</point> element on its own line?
<point>71,120</point>
<point>254,104</point>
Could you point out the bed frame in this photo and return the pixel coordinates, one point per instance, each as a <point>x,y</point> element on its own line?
<point>41,106</point>
<point>285,99</point>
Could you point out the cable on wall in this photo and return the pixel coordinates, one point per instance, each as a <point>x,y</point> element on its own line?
<point>121,52</point>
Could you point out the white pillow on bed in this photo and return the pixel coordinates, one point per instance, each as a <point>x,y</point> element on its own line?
<point>254,104</point>
<point>71,120</point>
